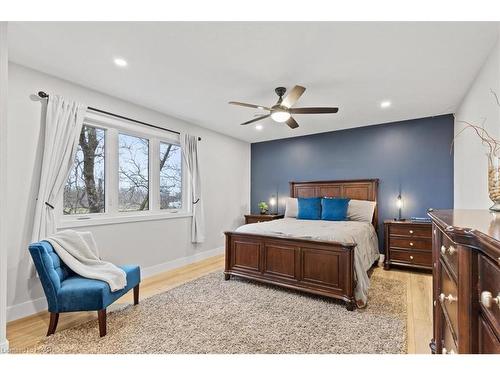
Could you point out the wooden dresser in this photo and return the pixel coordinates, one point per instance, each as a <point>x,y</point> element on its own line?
<point>466,281</point>
<point>258,218</point>
<point>408,244</point>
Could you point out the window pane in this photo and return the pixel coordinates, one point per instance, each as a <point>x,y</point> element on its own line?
<point>84,190</point>
<point>170,176</point>
<point>133,194</point>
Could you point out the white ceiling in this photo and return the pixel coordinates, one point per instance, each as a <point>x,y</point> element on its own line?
<point>191,70</point>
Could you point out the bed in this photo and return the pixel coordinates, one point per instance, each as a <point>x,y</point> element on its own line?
<point>315,256</point>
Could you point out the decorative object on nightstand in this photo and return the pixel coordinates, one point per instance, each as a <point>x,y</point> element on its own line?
<point>250,219</point>
<point>408,243</point>
<point>272,203</point>
<point>263,207</point>
<point>399,205</point>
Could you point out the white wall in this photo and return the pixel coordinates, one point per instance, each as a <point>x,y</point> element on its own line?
<point>471,164</point>
<point>154,245</point>
<point>4,345</point>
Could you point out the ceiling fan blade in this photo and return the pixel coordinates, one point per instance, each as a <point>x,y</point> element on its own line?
<point>293,96</point>
<point>250,105</point>
<point>292,123</point>
<point>256,119</point>
<point>314,110</point>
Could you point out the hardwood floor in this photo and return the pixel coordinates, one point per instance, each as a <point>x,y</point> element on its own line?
<point>28,331</point>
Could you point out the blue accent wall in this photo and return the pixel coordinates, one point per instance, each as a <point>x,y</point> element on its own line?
<point>412,157</point>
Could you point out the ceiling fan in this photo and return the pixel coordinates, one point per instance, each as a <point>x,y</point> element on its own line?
<point>282,111</point>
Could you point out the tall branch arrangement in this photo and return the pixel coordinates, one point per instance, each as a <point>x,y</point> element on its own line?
<point>490,142</point>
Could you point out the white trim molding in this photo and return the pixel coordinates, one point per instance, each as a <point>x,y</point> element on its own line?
<point>24,309</point>
<point>4,344</point>
<point>180,262</point>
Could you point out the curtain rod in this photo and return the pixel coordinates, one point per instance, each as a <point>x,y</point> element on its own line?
<point>44,95</point>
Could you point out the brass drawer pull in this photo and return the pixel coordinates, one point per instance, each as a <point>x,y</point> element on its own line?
<point>411,232</point>
<point>411,257</point>
<point>451,250</point>
<point>487,299</point>
<point>411,243</point>
<point>446,351</point>
<point>449,298</point>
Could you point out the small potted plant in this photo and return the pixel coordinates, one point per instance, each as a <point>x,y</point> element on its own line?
<point>263,207</point>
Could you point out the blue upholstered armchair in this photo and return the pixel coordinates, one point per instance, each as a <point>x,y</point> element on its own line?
<point>67,291</point>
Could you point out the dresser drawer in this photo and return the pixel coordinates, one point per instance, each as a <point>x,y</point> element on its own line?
<point>488,341</point>
<point>411,230</point>
<point>489,289</point>
<point>448,298</point>
<point>410,243</point>
<point>449,344</point>
<point>419,258</point>
<point>449,253</point>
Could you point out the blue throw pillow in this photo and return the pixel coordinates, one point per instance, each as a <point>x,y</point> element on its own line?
<point>334,209</point>
<point>309,208</point>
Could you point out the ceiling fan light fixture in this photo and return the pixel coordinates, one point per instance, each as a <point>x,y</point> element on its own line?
<point>280,116</point>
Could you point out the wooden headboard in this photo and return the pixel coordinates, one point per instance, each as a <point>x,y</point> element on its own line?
<point>354,189</point>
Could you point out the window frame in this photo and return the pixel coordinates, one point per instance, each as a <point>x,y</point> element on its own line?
<point>183,177</point>
<point>113,126</point>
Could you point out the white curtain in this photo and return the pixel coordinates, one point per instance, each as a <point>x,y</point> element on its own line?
<point>189,145</point>
<point>63,125</point>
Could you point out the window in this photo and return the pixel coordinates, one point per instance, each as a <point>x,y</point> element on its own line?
<point>84,190</point>
<point>133,189</point>
<point>170,176</point>
<point>123,172</point>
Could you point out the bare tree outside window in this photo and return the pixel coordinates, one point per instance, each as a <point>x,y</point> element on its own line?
<point>170,176</point>
<point>84,190</point>
<point>133,161</point>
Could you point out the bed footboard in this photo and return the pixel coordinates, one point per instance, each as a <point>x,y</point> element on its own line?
<point>323,268</point>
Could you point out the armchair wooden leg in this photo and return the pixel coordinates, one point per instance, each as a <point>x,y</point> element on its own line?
<point>54,319</point>
<point>136,294</point>
<point>101,316</point>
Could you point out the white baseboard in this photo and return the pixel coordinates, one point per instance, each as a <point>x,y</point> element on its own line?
<point>34,306</point>
<point>176,263</point>
<point>27,308</point>
<point>4,346</point>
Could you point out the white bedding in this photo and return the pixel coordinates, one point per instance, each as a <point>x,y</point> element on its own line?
<point>362,233</point>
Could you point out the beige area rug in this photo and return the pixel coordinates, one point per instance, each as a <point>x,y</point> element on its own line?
<point>210,315</point>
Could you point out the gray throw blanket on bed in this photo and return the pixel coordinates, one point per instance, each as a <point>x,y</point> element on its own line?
<point>78,250</point>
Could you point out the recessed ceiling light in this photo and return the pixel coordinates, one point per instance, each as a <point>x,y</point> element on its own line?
<point>120,62</point>
<point>259,127</point>
<point>385,104</point>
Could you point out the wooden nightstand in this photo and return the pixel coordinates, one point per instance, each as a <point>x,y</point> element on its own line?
<point>250,219</point>
<point>408,244</point>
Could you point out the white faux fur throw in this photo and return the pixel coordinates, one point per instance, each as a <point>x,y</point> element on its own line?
<point>78,250</point>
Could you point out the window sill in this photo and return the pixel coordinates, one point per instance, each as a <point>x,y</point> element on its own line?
<point>97,221</point>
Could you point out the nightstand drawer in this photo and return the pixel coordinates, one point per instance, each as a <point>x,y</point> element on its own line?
<point>410,243</point>
<point>251,219</point>
<point>420,258</point>
<point>408,230</point>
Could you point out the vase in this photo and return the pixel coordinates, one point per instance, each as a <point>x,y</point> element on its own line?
<point>494,182</point>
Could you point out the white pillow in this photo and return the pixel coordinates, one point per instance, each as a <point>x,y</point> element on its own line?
<point>291,207</point>
<point>360,210</point>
